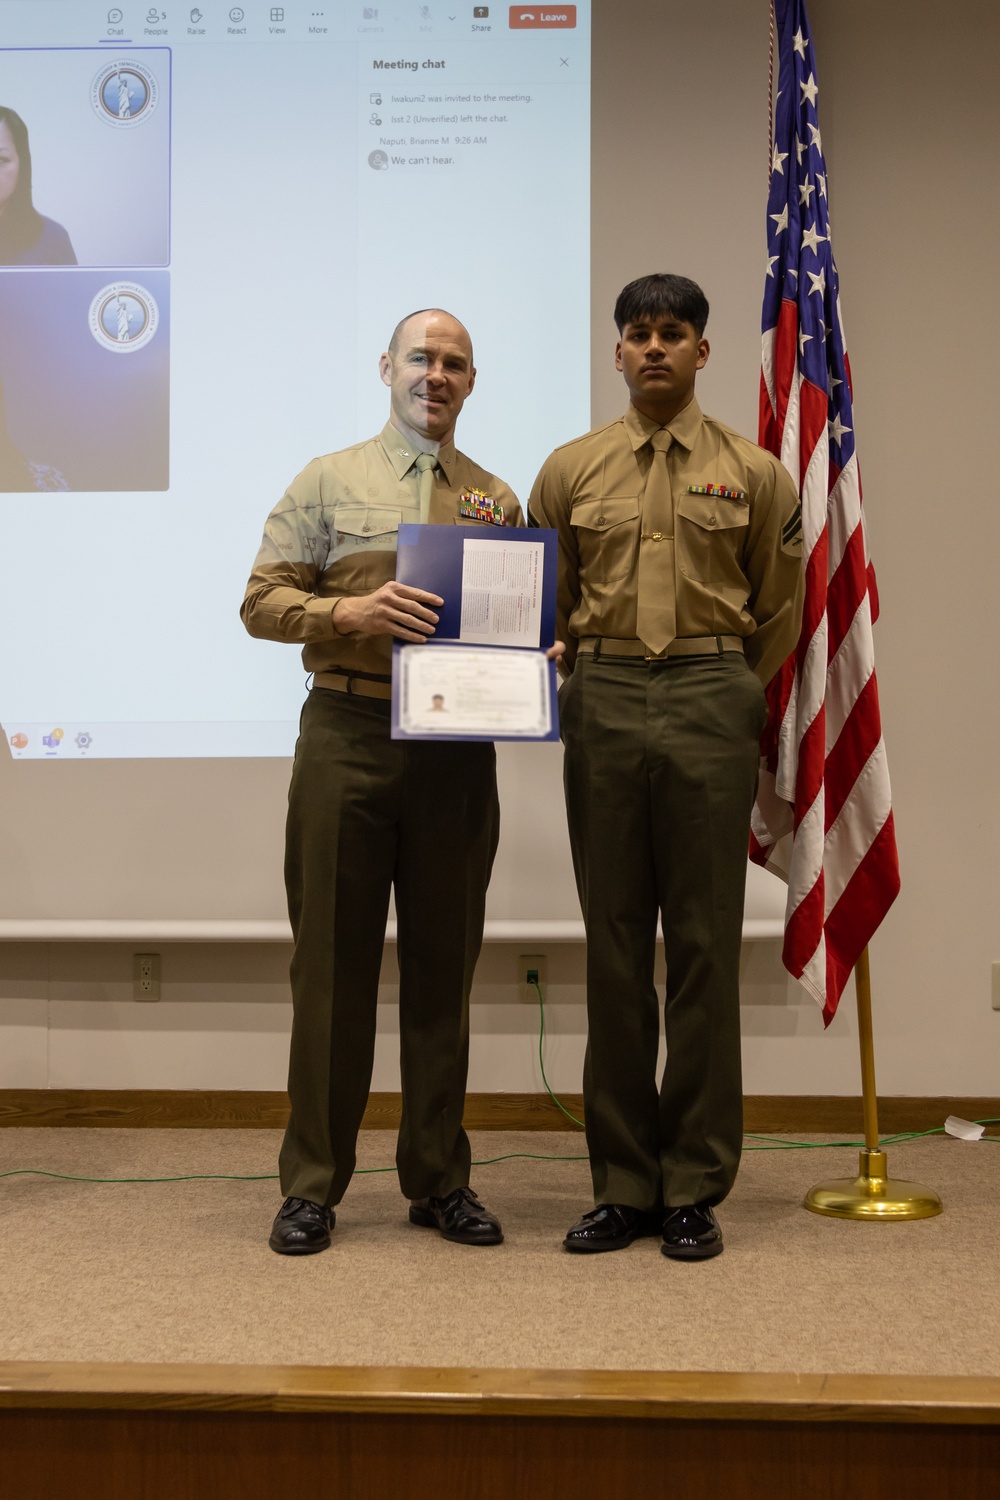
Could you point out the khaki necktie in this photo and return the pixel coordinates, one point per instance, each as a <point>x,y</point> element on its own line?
<point>656,615</point>
<point>426,463</point>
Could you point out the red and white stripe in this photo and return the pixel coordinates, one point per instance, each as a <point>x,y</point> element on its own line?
<point>823,818</point>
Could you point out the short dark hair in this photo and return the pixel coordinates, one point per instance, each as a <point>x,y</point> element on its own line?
<point>662,296</point>
<point>21,223</point>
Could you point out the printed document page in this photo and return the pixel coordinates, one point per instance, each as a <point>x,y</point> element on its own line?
<point>461,691</point>
<point>502,592</point>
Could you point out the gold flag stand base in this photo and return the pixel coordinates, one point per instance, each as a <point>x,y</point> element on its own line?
<point>873,1195</point>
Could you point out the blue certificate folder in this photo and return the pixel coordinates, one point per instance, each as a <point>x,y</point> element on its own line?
<point>432,558</point>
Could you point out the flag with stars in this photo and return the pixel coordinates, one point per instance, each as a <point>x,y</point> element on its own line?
<point>823,818</point>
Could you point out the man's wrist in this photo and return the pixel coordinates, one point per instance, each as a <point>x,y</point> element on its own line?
<point>340,626</point>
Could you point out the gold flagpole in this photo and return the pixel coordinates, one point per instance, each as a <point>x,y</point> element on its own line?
<point>872,1194</point>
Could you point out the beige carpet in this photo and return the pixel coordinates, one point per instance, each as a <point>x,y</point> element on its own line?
<point>179,1272</point>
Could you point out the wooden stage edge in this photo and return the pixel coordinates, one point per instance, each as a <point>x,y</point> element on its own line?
<point>574,1394</point>
<point>168,1432</point>
<point>239,1109</point>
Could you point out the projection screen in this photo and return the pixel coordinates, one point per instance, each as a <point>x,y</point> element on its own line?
<point>236,204</point>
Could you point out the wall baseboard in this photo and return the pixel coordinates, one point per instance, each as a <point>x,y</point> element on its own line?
<point>239,1109</point>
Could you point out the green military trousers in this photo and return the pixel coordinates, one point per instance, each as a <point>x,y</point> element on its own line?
<point>660,773</point>
<point>367,814</point>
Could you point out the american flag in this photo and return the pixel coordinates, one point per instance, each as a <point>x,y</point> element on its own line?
<point>823,819</point>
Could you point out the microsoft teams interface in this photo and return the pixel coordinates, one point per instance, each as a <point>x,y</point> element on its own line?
<point>211,218</point>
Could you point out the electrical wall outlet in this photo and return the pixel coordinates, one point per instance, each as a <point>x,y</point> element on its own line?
<point>532,968</point>
<point>145,976</point>
<point>996,986</point>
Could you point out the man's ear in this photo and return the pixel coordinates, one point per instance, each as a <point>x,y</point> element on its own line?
<point>703,352</point>
<point>385,368</point>
<point>618,355</point>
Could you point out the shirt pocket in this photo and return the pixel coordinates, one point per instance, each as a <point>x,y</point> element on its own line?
<point>607,534</point>
<point>361,537</point>
<point>710,534</point>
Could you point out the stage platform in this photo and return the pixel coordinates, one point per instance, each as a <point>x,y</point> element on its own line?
<point>151,1346</point>
<point>169,1432</point>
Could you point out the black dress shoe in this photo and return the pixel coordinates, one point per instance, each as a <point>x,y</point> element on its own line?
<point>611,1226</point>
<point>301,1228</point>
<point>459,1217</point>
<point>691,1233</point>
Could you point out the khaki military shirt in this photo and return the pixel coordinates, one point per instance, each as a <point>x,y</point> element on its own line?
<point>333,536</point>
<point>737,561</point>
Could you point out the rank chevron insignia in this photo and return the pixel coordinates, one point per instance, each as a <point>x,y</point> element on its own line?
<point>791,532</point>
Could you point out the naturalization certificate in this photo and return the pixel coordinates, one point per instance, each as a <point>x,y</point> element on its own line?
<point>465,692</point>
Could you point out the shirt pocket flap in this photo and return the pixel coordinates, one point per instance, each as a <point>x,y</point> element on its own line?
<point>601,515</point>
<point>713,511</point>
<point>365,521</point>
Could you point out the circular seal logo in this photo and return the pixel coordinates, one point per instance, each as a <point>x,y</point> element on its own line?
<point>124,93</point>
<point>123,317</point>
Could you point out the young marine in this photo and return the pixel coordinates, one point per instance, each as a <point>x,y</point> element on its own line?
<point>679,597</point>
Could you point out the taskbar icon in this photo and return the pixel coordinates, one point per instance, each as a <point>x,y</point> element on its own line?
<point>51,742</point>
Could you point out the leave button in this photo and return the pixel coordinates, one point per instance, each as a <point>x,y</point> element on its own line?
<point>535,17</point>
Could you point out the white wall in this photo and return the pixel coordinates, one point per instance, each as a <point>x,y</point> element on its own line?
<point>909,108</point>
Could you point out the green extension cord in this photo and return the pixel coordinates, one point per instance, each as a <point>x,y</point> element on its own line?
<point>773,1143</point>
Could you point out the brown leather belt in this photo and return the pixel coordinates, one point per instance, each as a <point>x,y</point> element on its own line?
<point>358,684</point>
<point>682,645</point>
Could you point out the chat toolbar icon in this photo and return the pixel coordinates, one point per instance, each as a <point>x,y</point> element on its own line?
<point>114,16</point>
